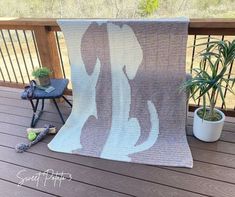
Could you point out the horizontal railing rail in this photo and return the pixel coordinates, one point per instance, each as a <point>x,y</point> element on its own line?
<point>26,43</point>
<point>214,26</point>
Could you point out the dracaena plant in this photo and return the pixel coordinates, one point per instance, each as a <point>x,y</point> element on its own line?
<point>211,78</point>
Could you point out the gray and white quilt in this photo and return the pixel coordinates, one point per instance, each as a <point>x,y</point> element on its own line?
<point>126,101</point>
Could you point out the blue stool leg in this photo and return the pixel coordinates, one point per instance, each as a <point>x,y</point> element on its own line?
<point>36,115</point>
<point>67,101</point>
<point>58,110</point>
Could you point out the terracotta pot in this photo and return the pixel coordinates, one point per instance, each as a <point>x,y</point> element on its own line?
<point>43,81</point>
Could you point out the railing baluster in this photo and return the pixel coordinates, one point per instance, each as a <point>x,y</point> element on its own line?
<point>45,47</point>
<point>60,54</point>
<point>9,56</point>
<point>217,67</point>
<point>17,60</point>
<point>36,49</point>
<point>2,74</point>
<point>193,53</point>
<point>229,75</point>
<point>22,54</point>
<point>204,65</point>
<point>29,51</point>
<point>4,62</point>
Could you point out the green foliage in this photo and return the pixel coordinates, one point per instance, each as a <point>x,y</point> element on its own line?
<point>148,7</point>
<point>116,8</point>
<point>204,4</point>
<point>41,72</point>
<point>206,115</point>
<point>212,78</point>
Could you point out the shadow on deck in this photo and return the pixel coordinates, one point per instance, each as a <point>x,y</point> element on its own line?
<point>213,173</point>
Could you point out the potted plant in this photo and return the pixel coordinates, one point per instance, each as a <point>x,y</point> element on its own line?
<point>209,83</point>
<point>42,76</point>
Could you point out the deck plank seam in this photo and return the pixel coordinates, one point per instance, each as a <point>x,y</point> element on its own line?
<point>46,103</point>
<point>34,169</point>
<point>58,122</point>
<point>1,132</point>
<point>221,140</point>
<point>51,112</point>
<point>224,129</point>
<point>33,188</point>
<point>117,174</point>
<point>201,161</point>
<point>120,174</point>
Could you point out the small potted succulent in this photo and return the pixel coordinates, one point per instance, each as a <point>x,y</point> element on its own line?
<point>209,83</point>
<point>42,76</point>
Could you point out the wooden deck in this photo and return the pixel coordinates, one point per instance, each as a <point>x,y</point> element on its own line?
<point>213,173</point>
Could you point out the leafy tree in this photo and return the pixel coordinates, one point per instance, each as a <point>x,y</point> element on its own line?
<point>204,4</point>
<point>148,7</point>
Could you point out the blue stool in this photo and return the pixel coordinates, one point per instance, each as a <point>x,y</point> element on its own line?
<point>60,85</point>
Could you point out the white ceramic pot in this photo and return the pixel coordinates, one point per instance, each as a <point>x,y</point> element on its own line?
<point>208,131</point>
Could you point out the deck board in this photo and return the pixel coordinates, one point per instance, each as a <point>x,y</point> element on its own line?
<point>67,189</point>
<point>11,189</point>
<point>213,173</point>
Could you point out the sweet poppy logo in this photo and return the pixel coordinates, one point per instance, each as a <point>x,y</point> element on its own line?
<point>47,178</point>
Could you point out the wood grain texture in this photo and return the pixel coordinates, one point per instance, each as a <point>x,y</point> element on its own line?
<point>138,171</point>
<point>10,189</point>
<point>213,173</point>
<point>147,173</point>
<point>68,188</point>
<point>90,176</point>
<point>226,136</point>
<point>194,23</point>
<point>45,29</point>
<point>46,43</point>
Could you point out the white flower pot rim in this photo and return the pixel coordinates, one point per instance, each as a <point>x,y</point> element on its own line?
<point>217,110</point>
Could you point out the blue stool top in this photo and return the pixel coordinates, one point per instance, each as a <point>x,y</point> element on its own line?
<point>59,84</point>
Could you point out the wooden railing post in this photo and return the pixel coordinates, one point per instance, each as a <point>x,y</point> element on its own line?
<point>46,43</point>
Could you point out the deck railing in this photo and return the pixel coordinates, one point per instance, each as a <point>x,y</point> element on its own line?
<point>29,43</point>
